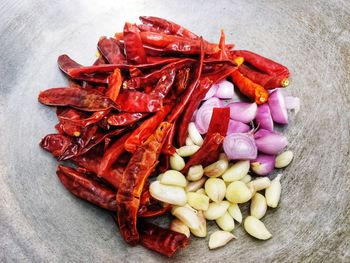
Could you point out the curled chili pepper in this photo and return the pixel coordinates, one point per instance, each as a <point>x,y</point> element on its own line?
<point>110,49</point>
<point>139,168</point>
<point>65,125</point>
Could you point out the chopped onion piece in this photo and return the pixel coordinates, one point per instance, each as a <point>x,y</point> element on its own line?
<point>278,107</point>
<point>203,117</point>
<point>224,90</point>
<point>243,111</point>
<point>240,146</point>
<point>263,117</point>
<point>272,143</point>
<point>263,164</point>
<point>237,127</point>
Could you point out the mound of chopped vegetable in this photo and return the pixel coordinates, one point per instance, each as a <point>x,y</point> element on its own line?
<point>160,101</point>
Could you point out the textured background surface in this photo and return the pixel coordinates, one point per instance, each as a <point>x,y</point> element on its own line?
<point>41,222</point>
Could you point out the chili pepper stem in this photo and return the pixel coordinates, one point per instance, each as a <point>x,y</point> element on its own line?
<point>285,82</point>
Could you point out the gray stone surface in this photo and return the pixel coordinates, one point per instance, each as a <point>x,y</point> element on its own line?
<point>41,222</point>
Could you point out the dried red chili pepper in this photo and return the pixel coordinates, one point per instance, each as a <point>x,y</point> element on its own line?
<point>146,129</point>
<point>148,28</point>
<point>219,121</point>
<point>182,78</point>
<point>168,147</point>
<point>250,89</point>
<point>135,53</point>
<point>67,126</point>
<point>265,80</point>
<point>94,118</point>
<point>139,168</point>
<point>167,26</point>
<point>85,188</point>
<point>153,210</point>
<point>111,50</point>
<point>135,101</point>
<point>165,83</point>
<point>56,144</point>
<point>164,241</point>
<point>263,64</point>
<point>82,99</point>
<point>115,81</point>
<point>193,104</point>
<point>125,118</point>
<point>211,146</point>
<point>180,105</point>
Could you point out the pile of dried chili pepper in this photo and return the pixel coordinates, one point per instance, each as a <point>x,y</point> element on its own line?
<point>120,119</point>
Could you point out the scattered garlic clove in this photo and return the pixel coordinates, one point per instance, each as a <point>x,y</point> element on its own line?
<point>237,171</point>
<point>187,216</point>
<point>159,177</point>
<point>215,188</point>
<point>216,169</point>
<point>238,192</point>
<point>194,186</point>
<point>179,227</point>
<point>220,239</point>
<point>201,191</point>
<point>169,194</point>
<point>187,150</point>
<point>195,173</point>
<point>176,162</point>
<point>235,212</point>
<point>256,228</point>
<point>260,183</point>
<point>198,201</point>
<point>258,206</point>
<point>216,210</point>
<point>246,179</point>
<point>173,177</point>
<point>189,141</point>
<point>283,159</point>
<point>273,192</point>
<point>194,134</point>
<point>202,230</point>
<point>226,222</point>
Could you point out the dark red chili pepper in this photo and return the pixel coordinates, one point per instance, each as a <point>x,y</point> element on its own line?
<point>65,63</point>
<point>115,81</point>
<point>181,80</point>
<point>135,101</point>
<point>263,64</point>
<point>193,104</point>
<point>125,118</point>
<point>139,168</point>
<point>146,129</point>
<point>135,53</point>
<point>161,240</point>
<point>94,118</point>
<point>153,210</point>
<point>100,61</point>
<point>249,88</point>
<point>168,147</point>
<point>167,26</point>
<point>211,147</point>
<point>165,83</point>
<point>67,126</point>
<point>82,99</point>
<point>219,121</point>
<point>183,101</point>
<point>111,50</point>
<point>135,72</point>
<point>85,188</point>
<point>265,80</point>
<point>156,59</point>
<point>56,144</point>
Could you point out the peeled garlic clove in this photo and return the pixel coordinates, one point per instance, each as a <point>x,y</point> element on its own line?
<point>195,173</point>
<point>194,186</point>
<point>283,159</point>
<point>256,228</point>
<point>168,194</point>
<point>220,239</point>
<point>198,201</point>
<point>189,141</point>
<point>216,210</point>
<point>179,227</point>
<point>194,134</point>
<point>216,169</point>
<point>238,192</point>
<point>187,150</point>
<point>159,177</point>
<point>202,230</point>
<point>187,216</point>
<point>173,177</point>
<point>176,162</point>
<point>273,192</point>
<point>258,206</point>
<point>260,183</point>
<point>215,188</point>
<point>235,212</point>
<point>201,191</point>
<point>246,179</point>
<point>237,171</point>
<point>226,222</point>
